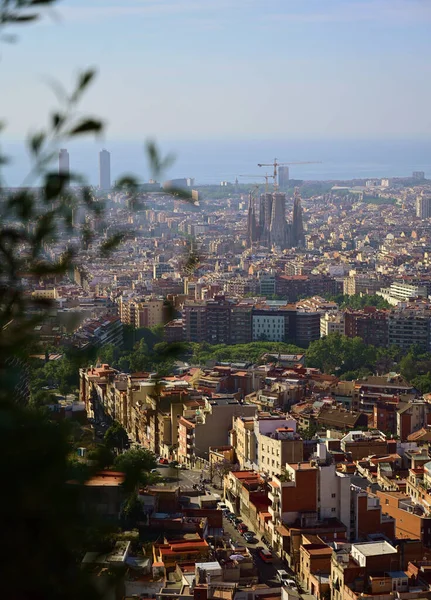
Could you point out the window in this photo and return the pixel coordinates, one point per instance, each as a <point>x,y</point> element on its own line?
<point>333,509</point>
<point>333,495</point>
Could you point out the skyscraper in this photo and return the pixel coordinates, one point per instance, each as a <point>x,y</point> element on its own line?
<point>423,207</point>
<point>283,177</point>
<point>298,237</point>
<point>63,162</point>
<point>104,170</point>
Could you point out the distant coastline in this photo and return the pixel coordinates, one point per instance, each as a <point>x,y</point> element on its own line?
<point>212,161</point>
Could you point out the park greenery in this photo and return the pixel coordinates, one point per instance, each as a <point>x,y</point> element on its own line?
<point>344,357</point>
<point>359,301</point>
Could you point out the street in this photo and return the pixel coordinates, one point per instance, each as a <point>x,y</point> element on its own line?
<point>186,478</point>
<point>266,571</point>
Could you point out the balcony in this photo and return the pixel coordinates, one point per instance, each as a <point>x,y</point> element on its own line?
<point>273,496</point>
<point>274,511</point>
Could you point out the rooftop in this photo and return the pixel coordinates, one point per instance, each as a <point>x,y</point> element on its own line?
<point>374,548</point>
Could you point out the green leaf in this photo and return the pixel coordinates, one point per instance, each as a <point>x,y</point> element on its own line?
<point>36,142</point>
<point>87,235</point>
<point>111,243</point>
<point>181,193</point>
<point>87,196</point>
<point>85,78</point>
<point>55,183</point>
<point>11,18</point>
<point>157,164</point>
<point>87,126</point>
<point>45,227</point>
<point>22,203</point>
<point>57,120</point>
<point>128,182</point>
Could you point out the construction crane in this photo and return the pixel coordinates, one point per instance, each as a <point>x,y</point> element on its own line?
<point>266,177</point>
<point>276,164</point>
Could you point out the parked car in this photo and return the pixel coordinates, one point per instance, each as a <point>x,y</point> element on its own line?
<point>184,467</point>
<point>247,533</point>
<point>231,516</point>
<point>242,528</point>
<point>283,576</point>
<point>250,539</point>
<point>163,461</point>
<point>265,555</point>
<point>237,520</point>
<point>154,471</point>
<point>221,505</point>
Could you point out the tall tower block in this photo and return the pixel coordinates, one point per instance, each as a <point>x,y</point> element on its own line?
<point>104,170</point>
<point>63,162</point>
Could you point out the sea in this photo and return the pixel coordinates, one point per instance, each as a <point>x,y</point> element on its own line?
<point>212,161</point>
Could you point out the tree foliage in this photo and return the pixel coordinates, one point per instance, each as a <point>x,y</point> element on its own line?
<point>359,301</point>
<point>44,531</point>
<point>116,437</point>
<point>136,463</point>
<point>337,353</point>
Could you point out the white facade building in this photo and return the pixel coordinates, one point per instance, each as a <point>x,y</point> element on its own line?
<point>268,327</point>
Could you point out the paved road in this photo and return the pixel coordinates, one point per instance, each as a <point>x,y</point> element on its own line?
<point>186,478</point>
<point>266,572</point>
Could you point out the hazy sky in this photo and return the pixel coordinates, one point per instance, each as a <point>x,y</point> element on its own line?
<point>185,69</point>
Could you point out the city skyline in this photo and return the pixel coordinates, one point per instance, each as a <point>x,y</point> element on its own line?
<point>330,69</point>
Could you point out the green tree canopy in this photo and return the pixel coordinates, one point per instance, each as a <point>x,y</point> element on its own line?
<point>136,463</point>
<point>116,437</point>
<point>338,354</point>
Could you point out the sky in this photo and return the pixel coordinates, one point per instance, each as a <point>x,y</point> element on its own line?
<point>229,69</point>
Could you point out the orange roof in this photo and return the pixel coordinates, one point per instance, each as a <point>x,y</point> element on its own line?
<point>246,475</point>
<point>106,478</point>
<point>303,466</point>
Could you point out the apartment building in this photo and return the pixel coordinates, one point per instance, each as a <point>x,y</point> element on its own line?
<point>331,322</point>
<point>400,291</point>
<point>371,389</point>
<point>370,324</point>
<point>267,326</point>
<point>368,516</point>
<point>208,425</point>
<point>410,518</point>
<point>242,437</point>
<point>265,442</point>
<point>361,284</point>
<point>408,327</point>
<point>314,568</point>
<point>146,312</point>
<point>277,448</point>
<point>353,564</point>
<point>311,491</point>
